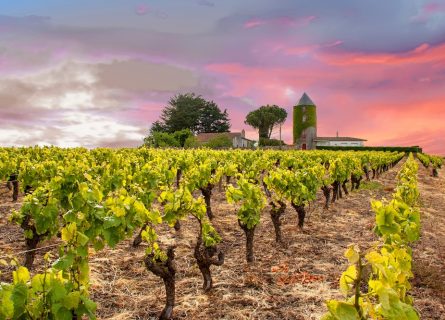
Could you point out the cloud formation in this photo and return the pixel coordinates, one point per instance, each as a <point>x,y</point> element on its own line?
<point>100,77</point>
<point>73,104</point>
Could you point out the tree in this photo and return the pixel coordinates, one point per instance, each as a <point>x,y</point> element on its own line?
<point>265,119</point>
<point>190,111</point>
<point>157,126</point>
<point>182,136</point>
<point>212,119</point>
<point>271,142</point>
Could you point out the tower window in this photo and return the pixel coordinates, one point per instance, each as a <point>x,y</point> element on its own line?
<point>304,118</point>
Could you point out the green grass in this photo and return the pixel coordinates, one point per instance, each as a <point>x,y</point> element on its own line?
<point>371,185</point>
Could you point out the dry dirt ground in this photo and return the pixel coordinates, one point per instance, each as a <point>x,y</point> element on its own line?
<point>282,283</point>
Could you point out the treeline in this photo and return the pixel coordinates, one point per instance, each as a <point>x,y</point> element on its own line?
<point>187,115</point>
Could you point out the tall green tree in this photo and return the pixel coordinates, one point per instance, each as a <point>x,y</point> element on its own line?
<point>193,112</point>
<point>211,119</point>
<point>265,119</point>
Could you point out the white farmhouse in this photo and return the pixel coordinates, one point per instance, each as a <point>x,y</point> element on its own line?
<point>339,142</point>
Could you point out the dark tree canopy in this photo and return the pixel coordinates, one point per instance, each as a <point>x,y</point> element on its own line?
<point>190,111</point>
<point>212,119</point>
<point>265,119</point>
<point>157,126</point>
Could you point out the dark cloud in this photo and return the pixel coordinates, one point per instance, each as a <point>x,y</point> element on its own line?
<point>141,76</point>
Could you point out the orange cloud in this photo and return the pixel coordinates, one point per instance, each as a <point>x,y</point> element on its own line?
<point>385,98</point>
<point>422,54</point>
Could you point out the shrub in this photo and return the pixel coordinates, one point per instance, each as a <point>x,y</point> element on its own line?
<point>413,149</point>
<point>271,142</point>
<point>161,140</point>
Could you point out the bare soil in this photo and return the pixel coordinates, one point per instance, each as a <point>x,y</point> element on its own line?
<point>283,283</point>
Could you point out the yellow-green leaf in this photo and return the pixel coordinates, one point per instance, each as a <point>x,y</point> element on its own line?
<point>21,275</point>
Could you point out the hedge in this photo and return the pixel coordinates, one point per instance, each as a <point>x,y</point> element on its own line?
<point>413,149</point>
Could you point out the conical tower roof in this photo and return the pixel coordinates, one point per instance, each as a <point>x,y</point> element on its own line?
<point>305,101</point>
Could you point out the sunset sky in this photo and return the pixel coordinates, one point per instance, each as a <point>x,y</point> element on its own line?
<point>98,72</point>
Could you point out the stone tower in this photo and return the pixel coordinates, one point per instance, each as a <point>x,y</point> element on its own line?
<point>305,123</point>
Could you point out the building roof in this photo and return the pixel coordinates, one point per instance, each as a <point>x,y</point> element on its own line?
<point>338,139</point>
<point>207,136</point>
<point>305,101</point>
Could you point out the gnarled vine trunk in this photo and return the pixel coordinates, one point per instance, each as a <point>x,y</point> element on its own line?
<point>301,214</point>
<point>205,258</point>
<point>207,193</point>
<point>31,243</point>
<point>327,194</point>
<point>167,271</point>
<point>336,191</point>
<point>275,213</point>
<point>340,194</point>
<point>138,239</point>
<point>249,233</point>
<point>355,182</point>
<point>365,169</point>
<point>343,185</point>
<point>435,172</point>
<point>31,246</point>
<point>15,186</point>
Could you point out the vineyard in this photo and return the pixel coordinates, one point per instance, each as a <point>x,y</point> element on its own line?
<point>199,234</point>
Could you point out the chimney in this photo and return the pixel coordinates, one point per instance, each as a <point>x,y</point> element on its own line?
<point>243,133</point>
<point>337,133</point>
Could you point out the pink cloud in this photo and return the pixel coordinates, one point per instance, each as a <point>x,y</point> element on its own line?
<point>383,97</point>
<point>424,53</point>
<point>254,23</point>
<point>306,49</point>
